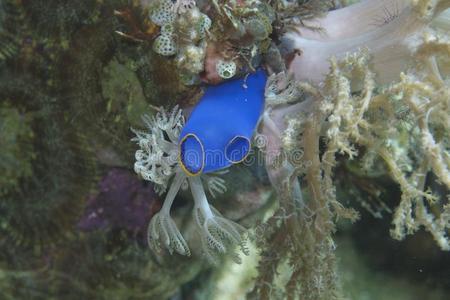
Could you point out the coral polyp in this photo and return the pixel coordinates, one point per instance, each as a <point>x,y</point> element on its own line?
<point>157,157</point>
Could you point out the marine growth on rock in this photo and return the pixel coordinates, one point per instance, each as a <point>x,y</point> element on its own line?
<point>224,149</point>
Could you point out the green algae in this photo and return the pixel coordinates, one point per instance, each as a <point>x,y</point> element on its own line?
<point>17,153</point>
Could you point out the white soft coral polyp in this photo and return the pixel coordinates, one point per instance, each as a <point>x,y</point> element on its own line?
<point>217,233</point>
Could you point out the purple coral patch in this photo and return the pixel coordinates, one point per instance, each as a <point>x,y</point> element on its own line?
<point>122,201</point>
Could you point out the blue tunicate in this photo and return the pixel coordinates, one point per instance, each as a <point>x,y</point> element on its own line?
<point>219,129</point>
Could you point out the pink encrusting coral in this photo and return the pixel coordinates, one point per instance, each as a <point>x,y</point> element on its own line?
<point>122,201</point>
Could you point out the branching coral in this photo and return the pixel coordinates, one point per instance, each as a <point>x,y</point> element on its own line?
<point>347,114</point>
<point>299,234</point>
<point>372,121</point>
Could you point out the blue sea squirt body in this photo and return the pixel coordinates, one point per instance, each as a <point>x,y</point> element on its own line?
<point>218,131</point>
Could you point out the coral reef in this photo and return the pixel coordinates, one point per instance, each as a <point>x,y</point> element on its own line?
<point>348,116</point>
<point>333,182</point>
